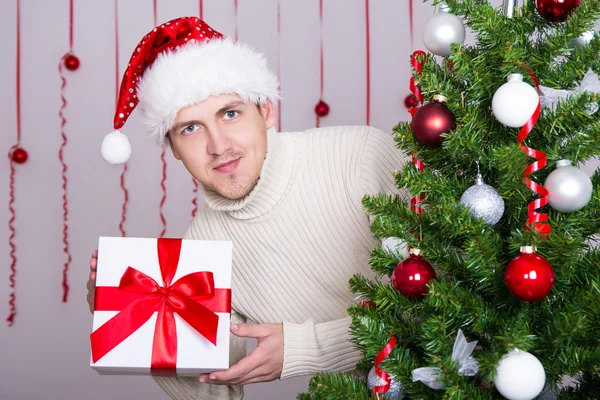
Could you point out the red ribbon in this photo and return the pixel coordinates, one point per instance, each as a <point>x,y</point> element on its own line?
<point>535,220</point>
<point>414,89</point>
<point>138,297</point>
<point>418,67</point>
<point>386,351</point>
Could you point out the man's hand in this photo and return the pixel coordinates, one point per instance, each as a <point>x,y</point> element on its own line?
<point>263,364</point>
<point>91,283</point>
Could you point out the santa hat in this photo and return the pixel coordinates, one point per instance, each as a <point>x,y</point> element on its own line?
<point>178,64</point>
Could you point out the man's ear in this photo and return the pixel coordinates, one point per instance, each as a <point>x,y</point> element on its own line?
<point>173,149</point>
<point>269,113</point>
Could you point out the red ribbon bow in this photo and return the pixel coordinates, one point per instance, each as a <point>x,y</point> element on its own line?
<point>138,297</point>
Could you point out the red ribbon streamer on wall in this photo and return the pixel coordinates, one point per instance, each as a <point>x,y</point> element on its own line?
<point>235,11</point>
<point>368,72</point>
<point>411,23</point>
<point>279,64</point>
<point>122,179</point>
<point>163,161</point>
<point>63,135</point>
<point>11,239</point>
<point>321,62</point>
<point>194,181</point>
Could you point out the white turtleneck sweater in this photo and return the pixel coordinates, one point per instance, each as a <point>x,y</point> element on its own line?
<point>297,238</point>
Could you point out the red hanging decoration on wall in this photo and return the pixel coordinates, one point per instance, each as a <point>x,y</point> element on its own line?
<point>368,74</point>
<point>321,108</point>
<point>122,179</point>
<point>411,101</point>
<point>195,197</point>
<point>19,156</point>
<point>16,155</point>
<point>279,64</point>
<point>235,12</point>
<point>163,158</point>
<point>70,60</point>
<point>194,181</point>
<point>71,63</point>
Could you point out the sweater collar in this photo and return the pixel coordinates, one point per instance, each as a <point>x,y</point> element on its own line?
<point>271,187</point>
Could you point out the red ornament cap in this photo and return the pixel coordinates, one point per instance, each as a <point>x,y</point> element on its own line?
<point>169,36</point>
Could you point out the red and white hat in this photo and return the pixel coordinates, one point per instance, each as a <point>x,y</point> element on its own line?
<point>178,64</point>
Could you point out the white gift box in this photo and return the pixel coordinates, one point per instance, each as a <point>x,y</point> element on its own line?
<point>195,353</point>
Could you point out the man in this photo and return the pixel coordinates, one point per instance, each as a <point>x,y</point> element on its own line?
<point>289,202</point>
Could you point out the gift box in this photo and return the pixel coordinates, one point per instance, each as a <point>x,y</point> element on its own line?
<point>162,306</point>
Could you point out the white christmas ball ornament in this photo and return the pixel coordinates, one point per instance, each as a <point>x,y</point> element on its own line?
<point>396,390</point>
<point>441,30</point>
<point>116,148</point>
<point>515,102</point>
<point>520,376</point>
<point>395,246</point>
<point>569,188</point>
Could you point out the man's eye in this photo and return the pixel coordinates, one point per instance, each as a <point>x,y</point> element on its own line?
<point>190,129</point>
<point>231,114</point>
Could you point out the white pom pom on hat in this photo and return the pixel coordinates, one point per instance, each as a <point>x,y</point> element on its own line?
<point>116,148</point>
<point>180,63</point>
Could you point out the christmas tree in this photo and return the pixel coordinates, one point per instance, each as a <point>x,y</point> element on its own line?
<point>500,296</point>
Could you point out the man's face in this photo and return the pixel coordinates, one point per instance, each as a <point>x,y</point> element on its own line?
<point>222,142</point>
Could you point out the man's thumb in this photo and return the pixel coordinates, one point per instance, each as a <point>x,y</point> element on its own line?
<point>246,330</point>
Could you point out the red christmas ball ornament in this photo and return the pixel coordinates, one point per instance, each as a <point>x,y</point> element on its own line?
<point>412,275</point>
<point>431,121</point>
<point>71,62</point>
<point>19,156</point>
<point>529,277</point>
<point>411,101</point>
<point>322,108</point>
<point>367,304</point>
<point>556,10</point>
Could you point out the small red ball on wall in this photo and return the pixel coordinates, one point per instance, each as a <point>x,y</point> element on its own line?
<point>19,156</point>
<point>71,62</point>
<point>322,109</point>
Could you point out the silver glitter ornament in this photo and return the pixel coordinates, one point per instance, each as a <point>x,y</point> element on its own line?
<point>569,188</point>
<point>441,30</point>
<point>483,201</point>
<point>396,389</point>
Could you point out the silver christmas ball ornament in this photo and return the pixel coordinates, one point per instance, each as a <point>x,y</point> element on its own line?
<point>396,390</point>
<point>511,7</point>
<point>441,30</point>
<point>483,201</point>
<point>569,188</point>
<point>583,40</point>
